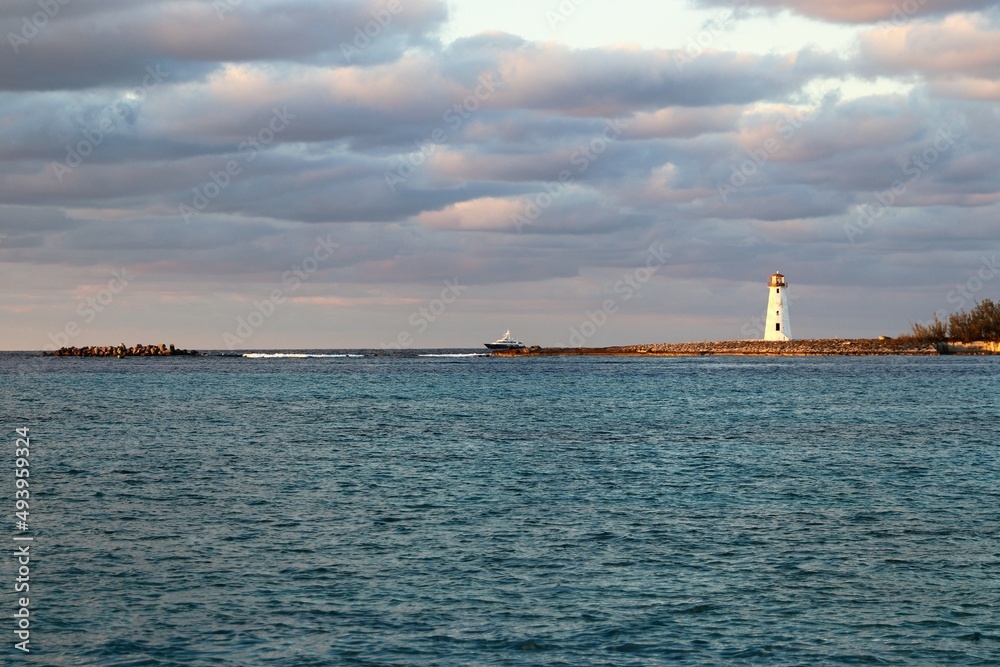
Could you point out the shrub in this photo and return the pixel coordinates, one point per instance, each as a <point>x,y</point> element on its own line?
<point>934,332</point>
<point>981,323</point>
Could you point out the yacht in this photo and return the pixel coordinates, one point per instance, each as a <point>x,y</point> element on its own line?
<point>505,343</point>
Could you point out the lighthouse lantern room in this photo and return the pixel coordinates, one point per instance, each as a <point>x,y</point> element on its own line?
<point>776,320</point>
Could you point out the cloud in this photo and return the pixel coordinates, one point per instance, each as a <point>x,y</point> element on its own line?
<point>487,213</point>
<point>674,122</point>
<point>87,45</point>
<point>611,81</point>
<point>860,11</point>
<point>957,56</point>
<point>731,160</point>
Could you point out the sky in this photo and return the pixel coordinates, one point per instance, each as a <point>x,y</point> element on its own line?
<point>241,174</point>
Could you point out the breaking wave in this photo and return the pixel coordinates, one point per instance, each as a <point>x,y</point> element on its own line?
<point>464,354</point>
<point>297,355</point>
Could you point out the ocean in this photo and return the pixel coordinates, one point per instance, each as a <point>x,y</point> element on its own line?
<point>349,509</point>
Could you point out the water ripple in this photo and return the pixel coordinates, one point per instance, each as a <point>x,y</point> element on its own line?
<point>457,511</point>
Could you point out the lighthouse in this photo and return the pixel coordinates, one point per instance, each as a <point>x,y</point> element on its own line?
<point>776,322</point>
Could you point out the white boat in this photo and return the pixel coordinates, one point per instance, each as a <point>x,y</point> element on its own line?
<point>505,343</point>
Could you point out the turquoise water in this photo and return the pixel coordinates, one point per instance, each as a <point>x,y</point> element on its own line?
<point>473,511</point>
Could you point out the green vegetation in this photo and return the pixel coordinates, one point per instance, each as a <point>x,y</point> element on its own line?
<point>982,323</point>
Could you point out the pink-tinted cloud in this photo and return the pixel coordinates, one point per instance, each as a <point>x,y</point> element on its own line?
<point>958,44</point>
<point>959,56</point>
<point>967,88</point>
<point>677,122</point>
<point>488,213</point>
<point>862,11</point>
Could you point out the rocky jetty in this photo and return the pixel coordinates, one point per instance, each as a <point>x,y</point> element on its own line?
<point>858,347</point>
<point>121,351</point>
<point>975,347</point>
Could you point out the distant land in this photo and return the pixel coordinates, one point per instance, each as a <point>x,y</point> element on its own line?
<point>857,347</point>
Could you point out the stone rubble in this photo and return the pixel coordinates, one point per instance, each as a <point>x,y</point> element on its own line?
<point>749,348</point>
<point>138,350</point>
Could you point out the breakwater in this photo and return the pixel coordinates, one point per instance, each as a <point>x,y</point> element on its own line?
<point>138,350</point>
<point>857,347</point>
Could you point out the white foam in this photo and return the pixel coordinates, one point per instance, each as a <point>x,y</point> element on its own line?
<point>474,354</point>
<point>297,355</point>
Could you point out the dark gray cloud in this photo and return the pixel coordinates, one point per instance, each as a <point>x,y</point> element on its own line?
<point>86,45</point>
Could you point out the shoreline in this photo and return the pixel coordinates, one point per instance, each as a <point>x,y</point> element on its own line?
<point>855,347</point>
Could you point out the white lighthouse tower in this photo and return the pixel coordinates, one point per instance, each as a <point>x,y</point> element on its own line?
<point>776,322</point>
